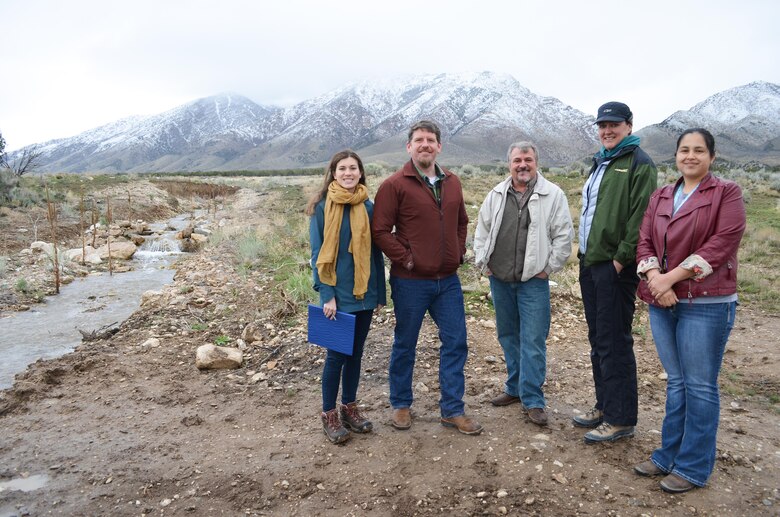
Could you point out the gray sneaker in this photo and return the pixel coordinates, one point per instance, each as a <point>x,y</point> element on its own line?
<point>590,419</point>
<point>609,433</point>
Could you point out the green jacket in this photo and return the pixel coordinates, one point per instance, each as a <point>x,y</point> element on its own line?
<point>624,192</point>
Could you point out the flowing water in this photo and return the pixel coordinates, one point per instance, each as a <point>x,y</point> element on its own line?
<point>50,329</point>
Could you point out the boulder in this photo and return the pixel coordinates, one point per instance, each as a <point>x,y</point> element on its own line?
<point>197,237</point>
<point>42,247</point>
<point>119,250</point>
<point>91,255</point>
<point>212,357</point>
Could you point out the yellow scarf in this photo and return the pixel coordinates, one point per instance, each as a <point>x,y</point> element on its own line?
<point>360,245</point>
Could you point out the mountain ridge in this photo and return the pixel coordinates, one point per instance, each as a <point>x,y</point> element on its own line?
<point>480,115</point>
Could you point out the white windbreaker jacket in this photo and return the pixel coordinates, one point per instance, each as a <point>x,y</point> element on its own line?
<point>550,231</point>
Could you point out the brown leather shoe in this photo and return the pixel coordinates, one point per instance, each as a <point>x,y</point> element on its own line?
<point>648,469</point>
<point>674,484</point>
<point>537,415</point>
<point>402,418</point>
<point>464,424</point>
<point>504,400</point>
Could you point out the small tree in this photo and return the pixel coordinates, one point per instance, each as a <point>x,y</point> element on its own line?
<point>28,161</point>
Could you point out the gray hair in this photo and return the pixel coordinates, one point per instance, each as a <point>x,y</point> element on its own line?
<point>524,147</point>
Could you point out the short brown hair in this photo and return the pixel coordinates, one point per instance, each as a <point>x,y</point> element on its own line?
<point>425,125</point>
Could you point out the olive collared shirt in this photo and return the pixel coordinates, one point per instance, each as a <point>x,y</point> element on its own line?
<point>506,262</point>
<point>436,185</point>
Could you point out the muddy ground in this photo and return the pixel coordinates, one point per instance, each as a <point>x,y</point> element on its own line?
<point>119,428</point>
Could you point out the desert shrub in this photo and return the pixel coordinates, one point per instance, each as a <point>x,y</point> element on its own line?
<point>22,286</point>
<point>249,247</point>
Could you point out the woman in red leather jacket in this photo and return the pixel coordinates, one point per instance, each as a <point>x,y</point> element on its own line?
<point>687,259</point>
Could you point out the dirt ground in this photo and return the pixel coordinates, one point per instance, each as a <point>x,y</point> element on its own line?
<point>120,428</point>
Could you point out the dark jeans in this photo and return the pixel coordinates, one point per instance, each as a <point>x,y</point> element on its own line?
<point>344,367</point>
<point>443,300</point>
<point>609,310</point>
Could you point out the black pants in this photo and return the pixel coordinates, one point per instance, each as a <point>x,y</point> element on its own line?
<point>609,310</point>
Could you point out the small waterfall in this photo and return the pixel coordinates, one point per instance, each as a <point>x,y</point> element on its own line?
<point>161,245</point>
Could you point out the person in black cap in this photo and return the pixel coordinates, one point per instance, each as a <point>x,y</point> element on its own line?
<point>614,199</point>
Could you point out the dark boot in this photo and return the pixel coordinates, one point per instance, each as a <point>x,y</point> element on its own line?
<point>350,415</point>
<point>331,426</point>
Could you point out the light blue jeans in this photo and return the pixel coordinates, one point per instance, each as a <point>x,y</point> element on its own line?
<point>443,299</point>
<point>522,324</point>
<point>690,339</point>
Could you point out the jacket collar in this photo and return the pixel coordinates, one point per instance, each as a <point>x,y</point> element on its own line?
<point>542,185</point>
<point>409,169</point>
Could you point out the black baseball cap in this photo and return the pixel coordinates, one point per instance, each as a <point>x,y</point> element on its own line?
<point>614,112</point>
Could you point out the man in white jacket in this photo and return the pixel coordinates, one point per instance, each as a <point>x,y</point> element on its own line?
<point>524,233</point>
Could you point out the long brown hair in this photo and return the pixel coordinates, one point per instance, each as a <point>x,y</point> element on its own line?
<point>329,178</point>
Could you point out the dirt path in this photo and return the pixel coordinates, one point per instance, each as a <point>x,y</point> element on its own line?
<point>119,428</point>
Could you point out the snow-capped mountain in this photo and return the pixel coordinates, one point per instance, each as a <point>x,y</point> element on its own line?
<point>480,115</point>
<point>744,120</point>
<point>198,135</point>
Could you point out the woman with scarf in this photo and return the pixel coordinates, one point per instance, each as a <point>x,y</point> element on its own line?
<point>349,274</point>
<point>687,256</point>
<point>614,199</point>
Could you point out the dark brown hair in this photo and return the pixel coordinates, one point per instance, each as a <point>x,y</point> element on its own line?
<point>425,125</point>
<point>329,177</point>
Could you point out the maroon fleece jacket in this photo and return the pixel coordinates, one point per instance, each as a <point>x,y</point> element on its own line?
<point>421,239</point>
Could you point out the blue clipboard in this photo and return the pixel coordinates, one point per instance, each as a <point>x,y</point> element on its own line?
<point>337,335</point>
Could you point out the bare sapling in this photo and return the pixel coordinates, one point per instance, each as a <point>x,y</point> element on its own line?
<point>52,217</point>
<point>94,217</point>
<point>81,225</point>
<point>108,236</point>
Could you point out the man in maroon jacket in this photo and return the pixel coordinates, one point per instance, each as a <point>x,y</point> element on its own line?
<point>420,223</point>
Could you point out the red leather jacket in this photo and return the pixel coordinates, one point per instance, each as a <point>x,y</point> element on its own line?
<point>411,228</point>
<point>708,228</point>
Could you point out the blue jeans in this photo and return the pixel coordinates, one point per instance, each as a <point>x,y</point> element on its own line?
<point>344,367</point>
<point>690,339</point>
<point>522,324</point>
<point>443,299</point>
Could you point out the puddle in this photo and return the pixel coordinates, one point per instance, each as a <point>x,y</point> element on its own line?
<point>23,484</point>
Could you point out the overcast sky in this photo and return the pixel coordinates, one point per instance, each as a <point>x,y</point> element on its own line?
<point>71,66</point>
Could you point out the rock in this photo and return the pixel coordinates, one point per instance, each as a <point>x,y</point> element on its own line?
<point>202,231</point>
<point>560,478</point>
<point>491,359</point>
<point>421,387</point>
<point>663,376</point>
<point>152,342</point>
<point>185,233</point>
<point>151,298</point>
<point>189,245</point>
<point>482,494</point>
<point>212,357</point>
<point>119,250</point>
<point>42,247</point>
<point>91,255</point>
<point>251,333</point>
<point>198,238</point>
<point>501,494</point>
<point>488,324</point>
<point>137,239</point>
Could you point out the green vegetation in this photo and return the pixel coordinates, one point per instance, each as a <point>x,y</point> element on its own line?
<point>199,326</point>
<point>221,340</point>
<point>22,286</point>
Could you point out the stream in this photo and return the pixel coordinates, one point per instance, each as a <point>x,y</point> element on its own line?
<point>50,329</point>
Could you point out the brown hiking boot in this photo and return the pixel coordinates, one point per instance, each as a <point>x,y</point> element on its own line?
<point>331,426</point>
<point>352,419</point>
<point>463,423</point>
